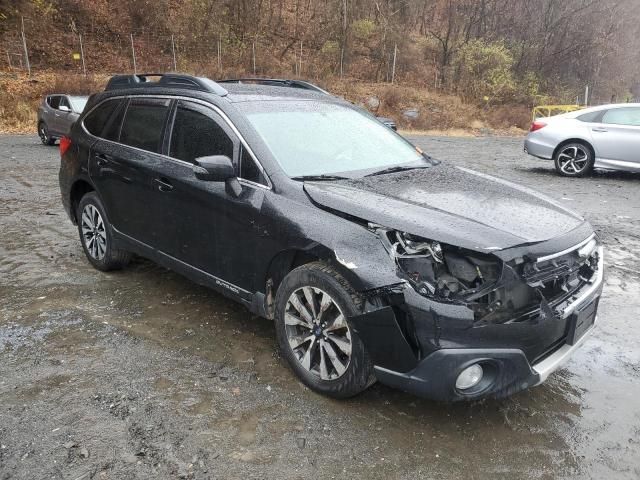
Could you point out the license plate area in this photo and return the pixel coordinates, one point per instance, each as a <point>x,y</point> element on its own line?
<point>581,321</point>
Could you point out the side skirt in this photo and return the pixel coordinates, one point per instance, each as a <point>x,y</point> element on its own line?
<point>255,302</point>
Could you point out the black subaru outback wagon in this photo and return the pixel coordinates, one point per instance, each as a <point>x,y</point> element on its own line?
<point>374,260</point>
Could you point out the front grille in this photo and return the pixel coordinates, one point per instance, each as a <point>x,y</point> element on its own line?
<point>557,279</point>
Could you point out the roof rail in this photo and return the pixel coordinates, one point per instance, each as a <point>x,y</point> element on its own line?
<point>175,80</point>
<point>277,82</point>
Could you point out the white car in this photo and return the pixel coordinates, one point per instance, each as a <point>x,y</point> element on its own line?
<point>606,137</point>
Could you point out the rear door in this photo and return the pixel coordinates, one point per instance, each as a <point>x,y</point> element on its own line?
<point>617,137</point>
<point>123,166</point>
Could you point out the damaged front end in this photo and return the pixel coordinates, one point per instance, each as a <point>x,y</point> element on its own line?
<point>458,309</point>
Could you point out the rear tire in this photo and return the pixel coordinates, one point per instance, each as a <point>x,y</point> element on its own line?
<point>574,160</point>
<point>43,133</point>
<point>96,235</point>
<point>312,307</point>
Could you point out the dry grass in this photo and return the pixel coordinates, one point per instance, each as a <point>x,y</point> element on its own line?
<point>20,96</point>
<point>439,113</point>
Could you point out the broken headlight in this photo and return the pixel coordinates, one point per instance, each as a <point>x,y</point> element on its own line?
<point>444,271</point>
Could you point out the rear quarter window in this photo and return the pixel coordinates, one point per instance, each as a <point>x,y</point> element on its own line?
<point>591,116</point>
<point>96,120</point>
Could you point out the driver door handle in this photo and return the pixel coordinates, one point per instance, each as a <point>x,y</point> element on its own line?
<point>599,129</point>
<point>164,185</point>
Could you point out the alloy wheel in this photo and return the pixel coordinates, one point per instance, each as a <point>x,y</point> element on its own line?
<point>318,333</point>
<point>94,233</point>
<point>573,159</point>
<point>44,136</point>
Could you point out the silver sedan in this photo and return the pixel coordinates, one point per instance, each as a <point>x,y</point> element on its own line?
<point>606,137</point>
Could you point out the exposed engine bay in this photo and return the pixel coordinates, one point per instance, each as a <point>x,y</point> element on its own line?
<point>496,291</point>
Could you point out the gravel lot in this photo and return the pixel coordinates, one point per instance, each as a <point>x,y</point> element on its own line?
<point>143,374</point>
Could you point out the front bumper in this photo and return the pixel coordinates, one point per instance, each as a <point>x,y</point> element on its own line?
<point>507,360</point>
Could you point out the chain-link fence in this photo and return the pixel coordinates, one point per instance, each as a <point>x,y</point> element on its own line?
<point>149,52</point>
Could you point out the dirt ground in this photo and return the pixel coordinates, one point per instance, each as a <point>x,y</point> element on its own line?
<point>143,374</point>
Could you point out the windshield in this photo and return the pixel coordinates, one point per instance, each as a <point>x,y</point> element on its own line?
<point>78,103</point>
<point>312,138</point>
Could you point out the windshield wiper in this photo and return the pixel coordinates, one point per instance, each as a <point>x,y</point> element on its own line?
<point>319,177</point>
<point>397,168</point>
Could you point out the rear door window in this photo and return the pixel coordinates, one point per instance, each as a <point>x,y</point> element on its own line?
<point>629,116</point>
<point>95,121</point>
<point>197,133</point>
<point>144,124</point>
<point>54,101</point>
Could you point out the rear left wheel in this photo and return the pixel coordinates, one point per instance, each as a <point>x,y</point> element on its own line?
<point>96,237</point>
<point>43,133</point>
<point>574,160</point>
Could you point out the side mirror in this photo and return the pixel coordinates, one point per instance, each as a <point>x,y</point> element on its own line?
<point>64,108</point>
<point>216,168</point>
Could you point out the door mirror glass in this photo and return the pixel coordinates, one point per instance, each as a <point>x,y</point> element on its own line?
<point>214,168</point>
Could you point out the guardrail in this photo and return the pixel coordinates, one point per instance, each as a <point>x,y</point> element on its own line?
<point>550,110</point>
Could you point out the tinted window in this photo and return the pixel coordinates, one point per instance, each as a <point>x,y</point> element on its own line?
<point>249,170</point>
<point>196,134</point>
<point>95,121</point>
<point>111,129</point>
<point>144,123</point>
<point>622,116</point>
<point>54,101</point>
<point>590,117</point>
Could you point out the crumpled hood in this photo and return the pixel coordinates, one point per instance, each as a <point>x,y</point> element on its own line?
<point>450,204</point>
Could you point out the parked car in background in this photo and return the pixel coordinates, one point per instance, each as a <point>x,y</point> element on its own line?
<point>606,137</point>
<point>374,260</point>
<point>56,115</point>
<point>275,82</point>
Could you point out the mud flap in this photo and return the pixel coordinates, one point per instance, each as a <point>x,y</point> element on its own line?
<point>386,345</point>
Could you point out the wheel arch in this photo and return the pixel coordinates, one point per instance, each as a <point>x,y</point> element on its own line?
<point>78,190</point>
<point>582,141</point>
<point>287,260</point>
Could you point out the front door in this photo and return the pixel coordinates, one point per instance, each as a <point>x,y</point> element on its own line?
<point>617,137</point>
<point>204,225</point>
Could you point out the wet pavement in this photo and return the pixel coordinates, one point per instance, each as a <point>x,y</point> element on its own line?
<point>143,374</point>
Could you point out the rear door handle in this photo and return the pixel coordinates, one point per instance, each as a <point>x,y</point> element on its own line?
<point>599,129</point>
<point>164,185</point>
<point>102,159</point>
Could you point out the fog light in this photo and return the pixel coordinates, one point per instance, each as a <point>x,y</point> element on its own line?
<point>469,377</point>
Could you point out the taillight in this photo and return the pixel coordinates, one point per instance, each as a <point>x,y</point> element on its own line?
<point>537,125</point>
<point>65,144</point>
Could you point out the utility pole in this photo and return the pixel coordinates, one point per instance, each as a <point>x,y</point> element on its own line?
<point>253,46</point>
<point>133,54</point>
<point>173,51</point>
<point>24,45</point>
<point>586,95</point>
<point>300,57</point>
<point>393,69</point>
<point>9,60</point>
<point>342,62</point>
<point>84,68</point>
<point>220,52</point>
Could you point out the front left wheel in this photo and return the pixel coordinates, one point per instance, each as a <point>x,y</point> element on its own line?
<point>96,237</point>
<point>312,309</point>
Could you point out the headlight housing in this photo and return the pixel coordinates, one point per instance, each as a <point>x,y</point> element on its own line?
<point>441,270</point>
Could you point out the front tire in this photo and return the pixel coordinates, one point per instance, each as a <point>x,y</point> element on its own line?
<point>96,235</point>
<point>574,160</point>
<point>312,308</point>
<point>43,133</point>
